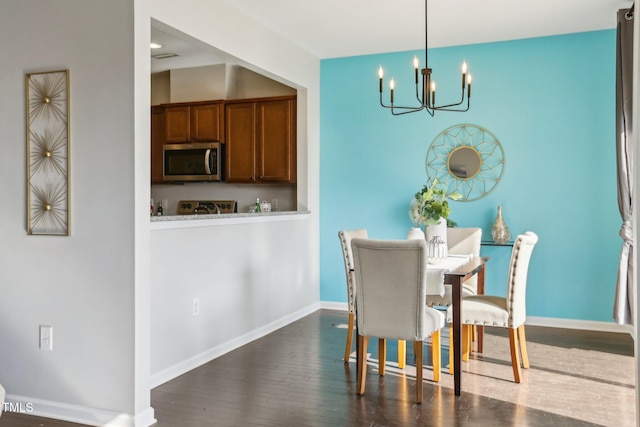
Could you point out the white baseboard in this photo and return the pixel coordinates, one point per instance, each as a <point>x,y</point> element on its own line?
<point>200,359</point>
<point>588,325</point>
<point>330,305</point>
<point>76,413</point>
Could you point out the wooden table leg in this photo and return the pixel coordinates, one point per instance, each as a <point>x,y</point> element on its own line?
<point>457,328</point>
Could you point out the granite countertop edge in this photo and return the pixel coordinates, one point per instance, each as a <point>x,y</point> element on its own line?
<point>220,216</point>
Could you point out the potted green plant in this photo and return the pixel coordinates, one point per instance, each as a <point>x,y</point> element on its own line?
<point>431,204</point>
<point>430,208</point>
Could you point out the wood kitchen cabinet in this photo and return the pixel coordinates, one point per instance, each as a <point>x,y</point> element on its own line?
<point>260,139</point>
<point>194,122</point>
<point>157,140</point>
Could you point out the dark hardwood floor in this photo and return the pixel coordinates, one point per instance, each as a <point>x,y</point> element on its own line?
<point>295,377</point>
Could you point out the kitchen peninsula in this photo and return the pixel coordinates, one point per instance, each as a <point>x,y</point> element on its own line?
<point>220,281</point>
<point>205,220</point>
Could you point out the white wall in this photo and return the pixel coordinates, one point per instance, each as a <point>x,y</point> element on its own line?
<point>270,267</point>
<point>243,83</point>
<point>198,83</point>
<point>249,280</point>
<point>83,285</point>
<point>161,88</point>
<point>213,82</point>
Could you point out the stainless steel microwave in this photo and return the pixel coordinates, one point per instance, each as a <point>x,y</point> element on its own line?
<point>193,162</point>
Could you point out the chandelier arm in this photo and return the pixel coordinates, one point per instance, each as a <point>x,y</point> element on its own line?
<point>393,107</point>
<point>399,107</point>
<point>446,108</point>
<point>452,105</point>
<point>453,109</point>
<point>408,111</point>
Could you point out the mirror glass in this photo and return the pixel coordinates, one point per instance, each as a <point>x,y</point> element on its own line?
<point>464,162</point>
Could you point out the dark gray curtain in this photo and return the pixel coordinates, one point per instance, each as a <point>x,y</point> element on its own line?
<point>625,294</point>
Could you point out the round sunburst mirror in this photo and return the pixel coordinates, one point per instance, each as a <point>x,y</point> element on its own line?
<point>468,159</point>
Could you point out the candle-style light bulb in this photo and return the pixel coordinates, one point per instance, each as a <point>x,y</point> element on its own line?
<point>469,86</point>
<point>416,66</point>
<point>380,74</point>
<point>392,86</point>
<point>464,73</point>
<point>433,93</point>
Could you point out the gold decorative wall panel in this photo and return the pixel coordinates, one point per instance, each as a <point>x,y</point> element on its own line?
<point>47,101</point>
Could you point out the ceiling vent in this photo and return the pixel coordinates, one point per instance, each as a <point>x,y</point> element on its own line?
<point>164,55</point>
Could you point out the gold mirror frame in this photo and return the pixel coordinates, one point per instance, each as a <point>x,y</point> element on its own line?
<point>484,178</point>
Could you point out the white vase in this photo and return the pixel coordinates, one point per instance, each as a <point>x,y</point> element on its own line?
<point>436,250</point>
<point>437,230</point>
<point>415,233</point>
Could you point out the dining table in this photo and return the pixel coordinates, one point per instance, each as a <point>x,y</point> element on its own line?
<point>456,277</point>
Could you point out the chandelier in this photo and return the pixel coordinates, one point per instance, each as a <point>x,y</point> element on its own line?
<point>426,86</point>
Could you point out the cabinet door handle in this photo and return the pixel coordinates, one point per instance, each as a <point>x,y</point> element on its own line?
<point>207,161</point>
<point>260,178</point>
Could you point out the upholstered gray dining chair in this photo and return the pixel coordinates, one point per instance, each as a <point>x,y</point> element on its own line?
<point>505,312</point>
<point>345,241</point>
<point>391,287</point>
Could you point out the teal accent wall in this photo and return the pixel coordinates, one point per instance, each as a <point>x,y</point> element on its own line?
<point>551,103</point>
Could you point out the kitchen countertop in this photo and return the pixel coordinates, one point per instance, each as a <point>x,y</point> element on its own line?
<point>189,221</point>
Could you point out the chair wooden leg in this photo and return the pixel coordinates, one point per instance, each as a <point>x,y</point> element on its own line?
<point>347,349</point>
<point>523,347</point>
<point>515,353</point>
<point>450,350</point>
<point>474,336</point>
<point>435,355</point>
<point>466,342</point>
<point>382,355</point>
<point>402,353</point>
<point>361,376</point>
<point>419,346</point>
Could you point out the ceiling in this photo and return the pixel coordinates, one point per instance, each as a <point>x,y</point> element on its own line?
<point>359,27</point>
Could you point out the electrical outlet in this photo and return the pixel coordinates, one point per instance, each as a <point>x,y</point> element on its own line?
<point>196,306</point>
<point>46,337</point>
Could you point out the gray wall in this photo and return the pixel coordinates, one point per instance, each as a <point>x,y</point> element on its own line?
<point>82,285</point>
